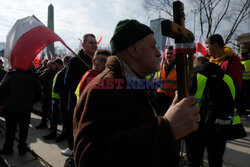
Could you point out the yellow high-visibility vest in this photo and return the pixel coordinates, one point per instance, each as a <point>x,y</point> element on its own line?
<point>246,72</point>
<point>201,84</point>
<point>53,94</point>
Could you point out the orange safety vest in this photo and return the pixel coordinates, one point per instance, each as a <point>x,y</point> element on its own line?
<point>169,82</point>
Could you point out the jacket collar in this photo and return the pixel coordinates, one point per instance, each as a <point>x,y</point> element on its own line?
<point>228,52</point>
<point>117,64</point>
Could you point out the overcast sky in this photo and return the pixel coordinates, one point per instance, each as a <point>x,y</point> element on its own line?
<point>73,18</point>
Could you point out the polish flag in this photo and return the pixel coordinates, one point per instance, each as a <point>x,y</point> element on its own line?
<point>201,47</point>
<point>26,39</point>
<point>169,41</point>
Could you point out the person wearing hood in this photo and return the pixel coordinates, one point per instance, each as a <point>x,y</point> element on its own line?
<point>225,57</point>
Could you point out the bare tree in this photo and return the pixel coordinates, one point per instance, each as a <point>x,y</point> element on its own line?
<point>165,6</point>
<point>215,16</point>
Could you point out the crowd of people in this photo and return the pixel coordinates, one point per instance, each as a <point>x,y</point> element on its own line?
<point>106,123</point>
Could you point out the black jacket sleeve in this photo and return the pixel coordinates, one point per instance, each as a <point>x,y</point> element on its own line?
<point>38,89</point>
<point>58,85</point>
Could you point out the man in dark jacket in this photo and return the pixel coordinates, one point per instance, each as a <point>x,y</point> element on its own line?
<point>46,79</point>
<point>74,72</point>
<point>55,98</point>
<point>115,124</point>
<point>215,95</point>
<point>57,89</point>
<point>19,90</point>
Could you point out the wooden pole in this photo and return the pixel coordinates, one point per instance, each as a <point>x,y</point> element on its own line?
<point>181,59</point>
<point>79,57</point>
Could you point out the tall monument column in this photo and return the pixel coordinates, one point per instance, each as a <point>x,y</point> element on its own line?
<point>50,48</point>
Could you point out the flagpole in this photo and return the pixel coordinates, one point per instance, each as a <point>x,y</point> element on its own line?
<point>79,57</point>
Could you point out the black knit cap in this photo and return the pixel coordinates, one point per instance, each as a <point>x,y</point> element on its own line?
<point>126,33</point>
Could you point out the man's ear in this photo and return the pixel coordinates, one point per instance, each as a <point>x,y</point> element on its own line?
<point>82,45</point>
<point>132,50</point>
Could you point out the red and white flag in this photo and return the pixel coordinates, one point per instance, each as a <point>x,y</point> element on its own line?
<point>26,39</point>
<point>200,47</point>
<point>169,41</point>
